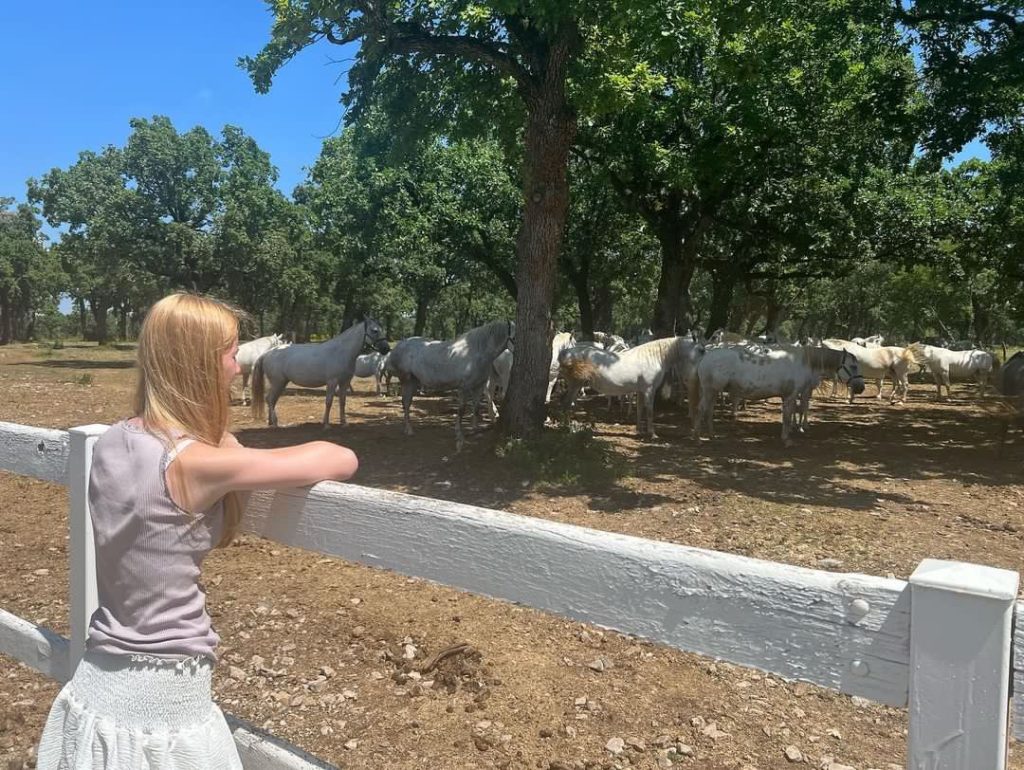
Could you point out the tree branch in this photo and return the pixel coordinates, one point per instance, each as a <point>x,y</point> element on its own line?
<point>959,17</point>
<point>405,37</point>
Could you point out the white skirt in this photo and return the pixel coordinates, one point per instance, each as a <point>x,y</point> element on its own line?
<point>130,712</point>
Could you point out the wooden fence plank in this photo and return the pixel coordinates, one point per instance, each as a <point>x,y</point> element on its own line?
<point>37,452</point>
<point>35,646</point>
<point>849,632</point>
<point>960,661</point>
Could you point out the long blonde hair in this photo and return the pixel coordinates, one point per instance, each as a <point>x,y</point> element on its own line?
<point>181,386</point>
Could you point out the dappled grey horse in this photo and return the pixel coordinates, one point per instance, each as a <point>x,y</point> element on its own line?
<point>314,365</point>
<point>463,364</point>
<point>1010,385</point>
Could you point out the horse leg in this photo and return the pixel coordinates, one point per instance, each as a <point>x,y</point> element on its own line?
<point>408,390</point>
<point>551,387</point>
<point>647,399</point>
<point>332,385</point>
<point>693,401</point>
<point>245,385</point>
<point>881,385</point>
<point>835,386</point>
<point>787,415</point>
<point>342,397</point>
<point>276,389</point>
<point>459,439</point>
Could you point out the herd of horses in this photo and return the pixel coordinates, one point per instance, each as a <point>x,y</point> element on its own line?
<point>476,366</point>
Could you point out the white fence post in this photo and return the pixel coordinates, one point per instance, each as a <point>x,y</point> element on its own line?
<point>961,631</point>
<point>82,575</point>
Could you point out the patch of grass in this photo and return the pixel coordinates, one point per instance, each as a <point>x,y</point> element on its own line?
<point>82,379</point>
<point>568,456</point>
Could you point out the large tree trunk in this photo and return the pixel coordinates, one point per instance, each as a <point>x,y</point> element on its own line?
<point>604,307</point>
<point>723,284</point>
<point>679,241</point>
<point>586,306</point>
<point>6,318</point>
<point>83,325</point>
<point>422,305</point>
<point>99,309</point>
<point>550,132</point>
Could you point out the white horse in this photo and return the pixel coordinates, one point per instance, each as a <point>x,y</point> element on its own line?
<point>314,365</point>
<point>954,364</point>
<point>790,373</point>
<point>249,353</point>
<point>463,364</point>
<point>877,364</point>
<point>640,370</point>
<point>874,341</point>
<point>497,386</point>
<point>561,341</point>
<point>497,382</point>
<point>370,365</point>
<point>610,342</point>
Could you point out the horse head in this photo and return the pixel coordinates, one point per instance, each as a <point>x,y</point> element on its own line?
<point>374,336</point>
<point>849,373</point>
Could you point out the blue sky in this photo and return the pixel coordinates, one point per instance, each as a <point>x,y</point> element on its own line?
<point>75,72</point>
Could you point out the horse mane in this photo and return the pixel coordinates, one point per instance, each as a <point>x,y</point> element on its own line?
<point>821,358</point>
<point>488,332</point>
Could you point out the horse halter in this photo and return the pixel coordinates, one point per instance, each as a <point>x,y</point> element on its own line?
<point>844,372</point>
<point>368,341</point>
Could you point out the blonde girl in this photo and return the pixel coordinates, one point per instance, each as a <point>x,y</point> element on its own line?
<point>167,486</point>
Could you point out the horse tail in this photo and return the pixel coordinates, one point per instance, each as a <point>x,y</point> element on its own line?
<point>257,386</point>
<point>577,368</point>
<point>917,354</point>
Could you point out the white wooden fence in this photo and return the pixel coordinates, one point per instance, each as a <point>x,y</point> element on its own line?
<point>941,644</point>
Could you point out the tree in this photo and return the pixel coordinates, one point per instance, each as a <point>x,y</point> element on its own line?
<point>177,178</point>
<point>724,102</point>
<point>463,51</point>
<point>30,277</point>
<point>971,53</point>
<point>103,246</point>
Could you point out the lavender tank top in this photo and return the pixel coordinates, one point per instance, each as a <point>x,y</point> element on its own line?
<point>148,551</point>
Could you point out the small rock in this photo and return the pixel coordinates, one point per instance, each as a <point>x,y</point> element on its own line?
<point>830,563</point>
<point>615,746</point>
<point>793,754</point>
<point>601,664</point>
<point>41,572</point>
<point>327,671</point>
<point>636,743</point>
<point>352,744</point>
<point>712,732</point>
<point>236,673</point>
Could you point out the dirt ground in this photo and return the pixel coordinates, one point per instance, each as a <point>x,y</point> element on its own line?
<point>336,657</point>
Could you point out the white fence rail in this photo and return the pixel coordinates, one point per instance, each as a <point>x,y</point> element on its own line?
<point>940,644</point>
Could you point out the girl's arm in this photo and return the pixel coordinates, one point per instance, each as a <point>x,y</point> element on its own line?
<point>208,473</point>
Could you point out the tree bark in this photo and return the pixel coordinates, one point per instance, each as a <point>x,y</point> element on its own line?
<point>99,309</point>
<point>723,285</point>
<point>6,319</point>
<point>550,132</point>
<point>679,241</point>
<point>422,305</point>
<point>83,325</point>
